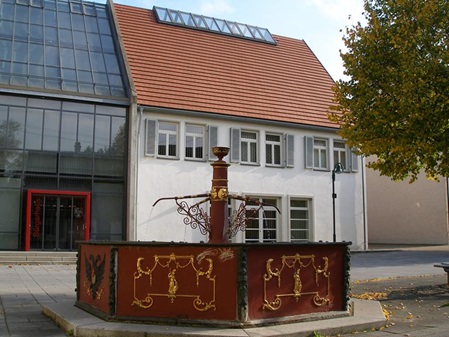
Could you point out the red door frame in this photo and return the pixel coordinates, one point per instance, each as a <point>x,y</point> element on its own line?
<point>30,193</point>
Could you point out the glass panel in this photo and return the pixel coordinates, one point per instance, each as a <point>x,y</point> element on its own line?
<point>253,153</point>
<point>16,128</point>
<point>176,18</point>
<point>9,208</point>
<point>107,43</point>
<point>3,125</point>
<point>162,14</point>
<point>36,16</point>
<point>37,33</point>
<point>85,133</point>
<point>51,36</point>
<point>111,110</point>
<point>67,58</point>
<point>233,27</point>
<point>95,45</point>
<point>189,146</point>
<point>211,24</point>
<point>40,162</point>
<point>111,63</point>
<point>118,136</point>
<point>6,11</point>
<point>269,154</point>
<point>80,107</point>
<point>11,160</point>
<point>222,26</point>
<point>98,62</point>
<point>80,39</point>
<point>299,224</point>
<point>66,223</point>
<point>5,49</point>
<point>34,125</point>
<point>64,20</point>
<point>103,24</point>
<point>108,167</point>
<point>107,217</point>
<point>51,130</point>
<point>188,20</point>
<point>19,68</point>
<point>9,241</point>
<point>299,235</point>
<point>20,51</point>
<point>22,13</point>
<point>36,54</point>
<point>82,59</point>
<point>78,22</point>
<point>172,145</point>
<point>65,37</point>
<point>199,21</point>
<point>91,24</point>
<point>37,71</point>
<point>298,203</point>
<point>75,164</point>
<point>245,30</point>
<point>51,56</point>
<point>68,132</point>
<point>102,134</point>
<point>21,31</point>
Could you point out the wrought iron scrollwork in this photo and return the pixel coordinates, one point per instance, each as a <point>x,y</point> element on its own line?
<point>196,217</point>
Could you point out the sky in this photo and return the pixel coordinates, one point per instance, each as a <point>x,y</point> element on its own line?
<point>320,23</point>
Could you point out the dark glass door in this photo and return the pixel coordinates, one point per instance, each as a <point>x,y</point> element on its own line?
<point>57,222</point>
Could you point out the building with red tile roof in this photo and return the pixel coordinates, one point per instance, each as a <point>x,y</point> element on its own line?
<point>267,100</point>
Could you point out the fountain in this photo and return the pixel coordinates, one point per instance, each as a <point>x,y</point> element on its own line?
<point>217,283</point>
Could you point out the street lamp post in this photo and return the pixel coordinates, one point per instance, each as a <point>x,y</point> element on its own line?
<point>338,168</point>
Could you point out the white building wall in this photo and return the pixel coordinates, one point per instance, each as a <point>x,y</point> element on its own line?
<point>158,178</point>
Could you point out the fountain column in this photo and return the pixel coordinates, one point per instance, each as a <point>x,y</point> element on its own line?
<point>219,198</point>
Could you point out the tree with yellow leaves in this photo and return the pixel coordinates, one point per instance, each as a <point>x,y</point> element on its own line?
<point>395,104</point>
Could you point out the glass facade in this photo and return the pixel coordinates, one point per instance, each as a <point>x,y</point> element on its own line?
<point>64,146</point>
<point>63,125</point>
<point>59,45</point>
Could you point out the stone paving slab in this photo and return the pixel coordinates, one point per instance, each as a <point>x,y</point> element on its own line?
<point>367,315</point>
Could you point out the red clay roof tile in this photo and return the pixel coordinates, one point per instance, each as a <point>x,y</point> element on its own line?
<point>187,69</point>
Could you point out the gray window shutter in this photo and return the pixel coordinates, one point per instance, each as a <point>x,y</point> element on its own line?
<point>354,162</point>
<point>308,152</point>
<point>150,134</point>
<point>212,132</point>
<point>289,151</point>
<point>235,145</point>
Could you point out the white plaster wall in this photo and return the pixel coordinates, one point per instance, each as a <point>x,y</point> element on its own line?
<point>404,213</point>
<point>159,178</point>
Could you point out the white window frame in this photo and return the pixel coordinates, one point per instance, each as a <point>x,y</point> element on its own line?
<point>168,134</point>
<point>341,154</point>
<point>196,137</point>
<point>319,152</point>
<point>270,147</point>
<point>260,218</point>
<point>308,209</point>
<point>246,145</point>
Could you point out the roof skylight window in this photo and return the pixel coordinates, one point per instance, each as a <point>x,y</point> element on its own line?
<point>206,23</point>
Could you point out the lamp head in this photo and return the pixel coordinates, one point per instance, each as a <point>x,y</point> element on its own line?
<point>338,168</point>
